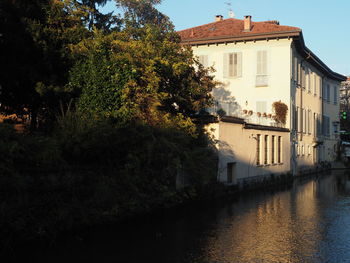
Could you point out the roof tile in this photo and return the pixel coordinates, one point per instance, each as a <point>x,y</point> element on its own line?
<point>233,27</point>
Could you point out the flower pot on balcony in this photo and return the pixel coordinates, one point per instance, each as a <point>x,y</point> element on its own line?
<point>258,114</point>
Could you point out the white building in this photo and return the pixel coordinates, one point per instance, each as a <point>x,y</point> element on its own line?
<point>259,63</point>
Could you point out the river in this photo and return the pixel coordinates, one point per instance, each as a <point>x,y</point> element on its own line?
<point>308,221</point>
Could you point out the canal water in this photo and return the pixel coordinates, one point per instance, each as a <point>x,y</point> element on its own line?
<point>308,221</point>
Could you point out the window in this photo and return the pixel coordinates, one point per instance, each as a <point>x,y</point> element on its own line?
<point>308,80</point>
<point>319,127</point>
<point>299,119</point>
<point>328,93</point>
<point>303,78</point>
<point>261,72</point>
<point>295,69</point>
<point>311,82</point>
<point>266,149</point>
<point>335,128</point>
<point>258,139</point>
<point>295,118</point>
<point>308,150</point>
<point>203,59</point>
<point>326,125</point>
<point>299,74</point>
<point>279,149</point>
<point>315,124</point>
<point>309,123</point>
<point>273,149</point>
<point>335,95</point>
<point>302,150</point>
<point>303,112</point>
<point>233,65</point>
<point>315,84</point>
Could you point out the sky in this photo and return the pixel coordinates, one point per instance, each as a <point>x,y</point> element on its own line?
<point>325,23</point>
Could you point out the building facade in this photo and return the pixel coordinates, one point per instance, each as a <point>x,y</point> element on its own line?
<point>257,64</point>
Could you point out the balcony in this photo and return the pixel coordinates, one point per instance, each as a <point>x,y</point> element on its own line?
<point>260,118</point>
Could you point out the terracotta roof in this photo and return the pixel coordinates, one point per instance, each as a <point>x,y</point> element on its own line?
<point>232,27</point>
<point>232,30</point>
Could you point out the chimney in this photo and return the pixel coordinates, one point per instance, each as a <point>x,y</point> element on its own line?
<point>219,18</point>
<point>247,23</point>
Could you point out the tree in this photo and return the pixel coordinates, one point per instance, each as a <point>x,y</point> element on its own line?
<point>99,20</point>
<point>35,40</point>
<point>152,79</point>
<point>137,14</point>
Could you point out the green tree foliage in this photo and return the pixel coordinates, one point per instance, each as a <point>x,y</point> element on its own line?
<point>101,21</point>
<point>137,14</point>
<point>35,41</point>
<point>152,79</point>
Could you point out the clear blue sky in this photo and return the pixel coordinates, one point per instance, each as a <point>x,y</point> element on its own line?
<point>325,23</point>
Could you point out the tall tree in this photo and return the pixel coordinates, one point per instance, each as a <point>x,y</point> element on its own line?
<point>35,40</point>
<point>97,19</point>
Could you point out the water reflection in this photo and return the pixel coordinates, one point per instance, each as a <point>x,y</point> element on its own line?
<point>305,224</point>
<point>309,222</point>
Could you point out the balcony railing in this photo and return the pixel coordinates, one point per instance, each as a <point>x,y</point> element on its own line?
<point>260,118</point>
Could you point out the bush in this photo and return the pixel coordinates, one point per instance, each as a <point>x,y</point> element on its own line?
<point>95,171</point>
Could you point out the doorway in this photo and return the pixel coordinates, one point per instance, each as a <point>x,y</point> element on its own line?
<point>231,173</point>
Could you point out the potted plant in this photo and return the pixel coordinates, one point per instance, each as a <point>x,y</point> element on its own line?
<point>264,115</point>
<point>258,114</point>
<point>245,111</point>
<point>280,110</point>
<point>250,112</point>
<point>269,115</point>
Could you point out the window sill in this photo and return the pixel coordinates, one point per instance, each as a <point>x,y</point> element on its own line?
<point>261,86</point>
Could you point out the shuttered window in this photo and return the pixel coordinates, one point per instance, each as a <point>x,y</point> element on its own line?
<point>295,69</point>
<point>335,95</point>
<point>325,125</point>
<point>308,80</point>
<point>315,84</point>
<point>299,74</point>
<point>309,121</point>
<point>261,71</point>
<point>233,65</point>
<point>328,93</point>
<point>303,77</point>
<point>295,118</point>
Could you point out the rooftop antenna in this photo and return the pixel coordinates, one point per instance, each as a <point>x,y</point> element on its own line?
<point>231,14</point>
